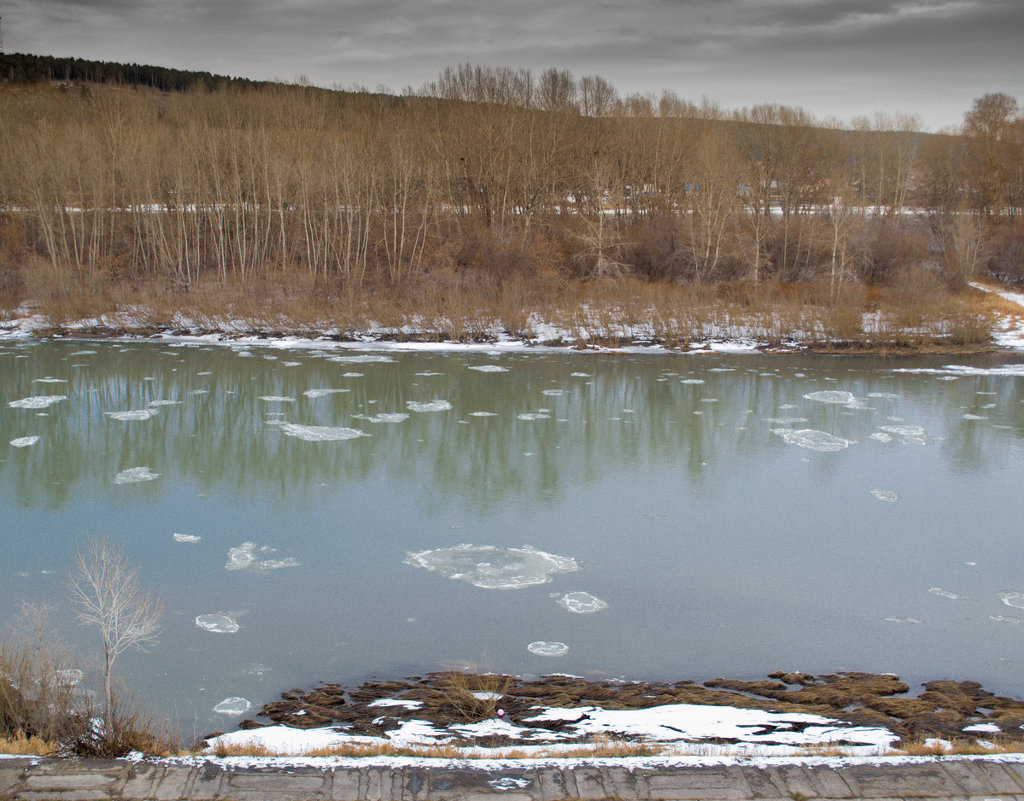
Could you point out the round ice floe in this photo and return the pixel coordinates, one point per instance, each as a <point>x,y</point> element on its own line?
<point>389,417</point>
<point>217,623</point>
<point>554,393</point>
<point>320,433</point>
<point>581,375</point>
<point>691,381</point>
<point>432,406</point>
<point>483,414</point>
<point>133,414</point>
<point>24,442</point>
<point>885,495</point>
<point>491,567</point>
<point>185,537</point>
<point>950,596</point>
<point>321,393</point>
<point>581,603</point>
<point>135,474</point>
<point>543,648</point>
<point>36,401</point>
<point>488,368</point>
<point>1013,598</point>
<point>812,439</point>
<point>233,706</point>
<point>533,416</point>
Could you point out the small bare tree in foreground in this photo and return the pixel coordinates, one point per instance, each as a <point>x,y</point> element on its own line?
<point>106,590</point>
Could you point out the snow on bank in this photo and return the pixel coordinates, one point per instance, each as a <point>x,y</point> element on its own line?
<point>1009,332</point>
<point>681,729</point>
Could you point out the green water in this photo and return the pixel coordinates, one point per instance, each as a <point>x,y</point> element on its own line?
<point>721,542</point>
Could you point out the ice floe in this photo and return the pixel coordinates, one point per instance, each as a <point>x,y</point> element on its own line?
<point>24,442</point>
<point>36,401</point>
<point>233,706</point>
<point>969,416</point>
<point>178,537</point>
<point>217,623</point>
<point>431,406</point>
<point>320,433</point>
<point>493,567</point>
<point>488,368</point>
<point>885,495</point>
<point>831,396</point>
<point>362,358</point>
<point>912,621</point>
<point>1004,619</point>
<point>545,648</point>
<point>581,375</point>
<point>277,399</point>
<point>383,417</point>
<point>157,403</point>
<point>691,381</point>
<point>49,380</point>
<point>554,393</point>
<point>256,558</point>
<point>950,596</point>
<point>134,475</point>
<point>881,436</point>
<point>812,439</point>
<point>1014,598</point>
<point>907,434</point>
<point>323,392</point>
<point>132,414</point>
<point>581,603</point>
<point>483,414</point>
<point>533,416</point>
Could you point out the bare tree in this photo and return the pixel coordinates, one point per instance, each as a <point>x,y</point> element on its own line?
<point>107,594</point>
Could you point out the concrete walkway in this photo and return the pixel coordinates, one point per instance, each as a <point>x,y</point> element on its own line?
<point>368,779</point>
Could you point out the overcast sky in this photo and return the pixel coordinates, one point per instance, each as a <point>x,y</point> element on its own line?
<point>837,58</point>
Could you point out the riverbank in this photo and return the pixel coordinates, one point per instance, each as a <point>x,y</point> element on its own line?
<point>980,319</point>
<point>476,715</point>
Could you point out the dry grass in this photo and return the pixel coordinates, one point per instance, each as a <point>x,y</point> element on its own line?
<point>917,313</point>
<point>34,746</point>
<point>600,748</point>
<point>958,746</point>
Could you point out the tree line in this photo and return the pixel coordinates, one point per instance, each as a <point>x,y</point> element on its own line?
<point>488,173</point>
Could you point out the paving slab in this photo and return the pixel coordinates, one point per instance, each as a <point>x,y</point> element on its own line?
<point>946,779</point>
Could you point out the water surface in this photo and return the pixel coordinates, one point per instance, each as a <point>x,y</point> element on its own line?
<point>638,516</point>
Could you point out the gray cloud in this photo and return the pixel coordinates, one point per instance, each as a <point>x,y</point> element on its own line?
<point>833,57</point>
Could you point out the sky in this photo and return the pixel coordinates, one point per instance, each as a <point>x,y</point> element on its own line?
<point>833,58</point>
